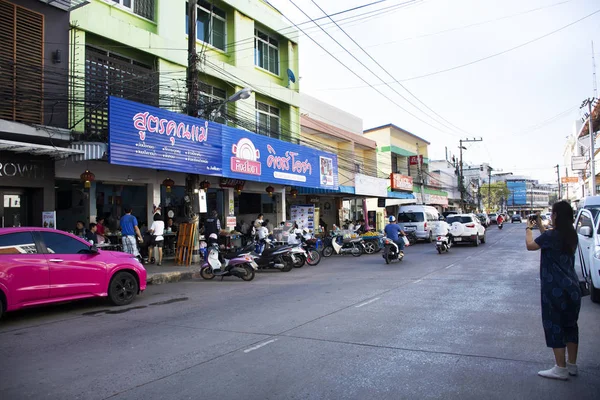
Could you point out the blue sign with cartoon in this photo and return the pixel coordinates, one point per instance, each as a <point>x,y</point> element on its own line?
<point>150,137</point>
<point>260,158</point>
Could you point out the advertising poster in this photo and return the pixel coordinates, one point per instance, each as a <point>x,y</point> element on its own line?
<point>304,216</point>
<point>49,219</point>
<point>518,193</point>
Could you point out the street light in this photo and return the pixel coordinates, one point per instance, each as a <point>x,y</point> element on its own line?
<point>239,95</point>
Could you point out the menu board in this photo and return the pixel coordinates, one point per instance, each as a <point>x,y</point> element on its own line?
<point>304,216</point>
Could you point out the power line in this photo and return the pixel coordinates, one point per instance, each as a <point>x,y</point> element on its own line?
<point>354,72</point>
<point>390,75</point>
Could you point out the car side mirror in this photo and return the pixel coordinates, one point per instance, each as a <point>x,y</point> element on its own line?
<point>93,249</point>
<point>585,231</point>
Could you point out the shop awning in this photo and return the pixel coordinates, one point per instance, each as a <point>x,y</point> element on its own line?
<point>399,198</point>
<point>67,5</point>
<point>37,149</point>
<point>341,190</point>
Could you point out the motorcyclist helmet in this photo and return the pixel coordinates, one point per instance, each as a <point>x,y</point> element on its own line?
<point>213,236</point>
<point>392,218</point>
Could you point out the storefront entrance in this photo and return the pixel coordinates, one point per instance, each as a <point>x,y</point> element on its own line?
<point>15,207</point>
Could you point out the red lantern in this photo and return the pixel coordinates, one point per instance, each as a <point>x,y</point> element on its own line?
<point>270,189</point>
<point>87,178</point>
<point>294,192</point>
<point>238,188</point>
<point>168,183</point>
<point>204,185</point>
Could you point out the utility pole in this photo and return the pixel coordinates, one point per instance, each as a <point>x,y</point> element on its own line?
<point>592,176</point>
<point>192,70</point>
<point>567,185</point>
<point>558,180</point>
<point>461,182</point>
<point>420,173</point>
<point>489,188</point>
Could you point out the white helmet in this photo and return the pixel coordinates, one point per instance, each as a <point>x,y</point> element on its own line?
<point>213,236</point>
<point>392,218</point>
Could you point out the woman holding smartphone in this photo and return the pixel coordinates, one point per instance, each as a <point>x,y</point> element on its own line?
<point>561,294</point>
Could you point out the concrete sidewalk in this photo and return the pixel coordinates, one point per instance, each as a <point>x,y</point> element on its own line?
<point>169,272</point>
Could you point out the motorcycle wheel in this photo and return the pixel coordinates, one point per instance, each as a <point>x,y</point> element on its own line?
<point>206,273</point>
<point>300,261</point>
<point>356,251</point>
<point>328,251</point>
<point>313,257</point>
<point>439,249</point>
<point>387,258</point>
<point>289,265</point>
<point>249,273</point>
<point>370,247</point>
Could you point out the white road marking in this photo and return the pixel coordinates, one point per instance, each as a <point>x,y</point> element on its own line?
<point>450,266</point>
<point>367,302</point>
<point>258,346</point>
<point>418,281</point>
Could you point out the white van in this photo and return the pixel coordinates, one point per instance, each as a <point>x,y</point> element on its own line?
<point>587,256</point>
<point>420,219</point>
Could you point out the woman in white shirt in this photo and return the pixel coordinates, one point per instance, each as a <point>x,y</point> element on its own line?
<point>157,230</point>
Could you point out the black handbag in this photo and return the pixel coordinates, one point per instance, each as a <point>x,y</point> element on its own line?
<point>583,285</point>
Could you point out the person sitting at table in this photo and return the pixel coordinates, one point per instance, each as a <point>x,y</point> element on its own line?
<point>171,227</point>
<point>90,234</point>
<point>80,229</point>
<point>157,229</point>
<point>100,225</point>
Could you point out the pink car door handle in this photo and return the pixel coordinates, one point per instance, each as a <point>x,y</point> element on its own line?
<point>55,260</point>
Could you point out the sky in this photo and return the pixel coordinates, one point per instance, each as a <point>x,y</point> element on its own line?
<point>522,103</point>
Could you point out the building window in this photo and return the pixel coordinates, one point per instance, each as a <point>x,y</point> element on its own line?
<point>22,64</point>
<point>109,74</point>
<point>394,164</point>
<point>211,98</point>
<point>266,52</point>
<point>143,8</point>
<point>267,120</point>
<point>358,168</point>
<point>210,24</point>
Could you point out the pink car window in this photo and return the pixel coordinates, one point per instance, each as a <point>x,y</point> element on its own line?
<point>17,243</point>
<point>57,243</point>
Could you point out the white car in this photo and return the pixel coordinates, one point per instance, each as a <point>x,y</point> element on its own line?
<point>466,228</point>
<point>587,256</point>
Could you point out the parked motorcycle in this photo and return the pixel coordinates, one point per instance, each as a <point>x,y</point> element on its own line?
<point>391,251</point>
<point>305,253</point>
<point>280,258</point>
<point>241,266</point>
<point>336,245</point>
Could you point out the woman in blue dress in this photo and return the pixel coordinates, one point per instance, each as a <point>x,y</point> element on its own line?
<point>561,294</point>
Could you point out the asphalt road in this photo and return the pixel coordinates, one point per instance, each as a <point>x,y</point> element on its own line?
<point>462,325</point>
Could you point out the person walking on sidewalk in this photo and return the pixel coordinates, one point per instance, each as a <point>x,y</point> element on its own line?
<point>129,231</point>
<point>561,294</point>
<point>157,230</point>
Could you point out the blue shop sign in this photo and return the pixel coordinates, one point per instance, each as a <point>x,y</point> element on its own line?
<point>260,158</point>
<point>149,137</point>
<point>518,193</point>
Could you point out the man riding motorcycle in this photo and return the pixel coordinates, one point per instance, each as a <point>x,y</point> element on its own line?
<point>393,232</point>
<point>499,220</point>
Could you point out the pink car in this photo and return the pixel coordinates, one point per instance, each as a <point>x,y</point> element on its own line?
<point>40,266</point>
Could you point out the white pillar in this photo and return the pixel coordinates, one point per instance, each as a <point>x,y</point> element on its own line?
<point>91,203</point>
<point>153,198</point>
<point>281,214</point>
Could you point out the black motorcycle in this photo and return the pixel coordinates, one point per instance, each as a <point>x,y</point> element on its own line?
<point>391,251</point>
<point>279,257</point>
<point>412,237</point>
<point>313,257</point>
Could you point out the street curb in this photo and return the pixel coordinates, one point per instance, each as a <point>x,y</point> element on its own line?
<point>171,277</point>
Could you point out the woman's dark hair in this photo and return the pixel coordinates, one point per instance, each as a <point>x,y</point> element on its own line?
<point>563,224</point>
<point>157,217</point>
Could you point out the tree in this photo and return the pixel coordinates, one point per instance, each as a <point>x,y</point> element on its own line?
<point>498,191</point>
